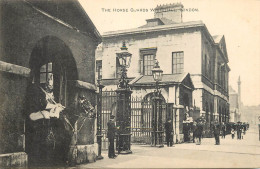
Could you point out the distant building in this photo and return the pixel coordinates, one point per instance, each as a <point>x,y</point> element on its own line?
<point>183,49</point>
<point>251,114</point>
<point>41,40</point>
<point>235,103</point>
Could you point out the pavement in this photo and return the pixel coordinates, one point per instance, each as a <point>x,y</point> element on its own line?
<point>231,153</point>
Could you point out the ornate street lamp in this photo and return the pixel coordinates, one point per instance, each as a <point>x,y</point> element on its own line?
<point>124,58</point>
<point>157,75</point>
<point>123,115</point>
<point>157,134</point>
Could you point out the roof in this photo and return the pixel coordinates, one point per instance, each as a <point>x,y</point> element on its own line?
<point>107,82</point>
<point>182,25</point>
<point>217,38</point>
<point>161,21</point>
<point>69,12</point>
<point>166,79</point>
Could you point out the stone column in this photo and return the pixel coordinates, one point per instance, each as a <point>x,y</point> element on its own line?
<point>123,120</point>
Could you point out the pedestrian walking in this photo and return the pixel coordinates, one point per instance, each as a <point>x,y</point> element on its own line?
<point>224,128</point>
<point>111,132</point>
<point>193,131</point>
<point>239,131</point>
<point>232,133</point>
<point>242,133</point>
<point>169,132</point>
<point>244,128</point>
<point>198,133</point>
<point>216,131</point>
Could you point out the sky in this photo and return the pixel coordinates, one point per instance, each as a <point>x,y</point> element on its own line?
<point>238,21</point>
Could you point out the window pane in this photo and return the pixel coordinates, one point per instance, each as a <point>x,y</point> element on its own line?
<point>43,68</point>
<point>49,67</point>
<point>177,62</point>
<point>43,78</point>
<point>148,61</point>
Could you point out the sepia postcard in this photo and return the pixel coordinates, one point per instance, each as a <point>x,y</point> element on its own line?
<point>129,84</point>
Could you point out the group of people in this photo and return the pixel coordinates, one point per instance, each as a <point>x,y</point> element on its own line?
<point>218,129</point>
<point>239,129</point>
<point>197,132</point>
<point>112,129</point>
<point>221,129</point>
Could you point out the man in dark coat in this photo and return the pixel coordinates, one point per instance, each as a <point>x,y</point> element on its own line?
<point>111,136</point>
<point>199,132</point>
<point>216,130</point>
<point>239,130</point>
<point>169,132</point>
<point>224,128</point>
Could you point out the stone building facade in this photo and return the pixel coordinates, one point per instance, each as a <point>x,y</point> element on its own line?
<point>38,39</point>
<point>180,47</point>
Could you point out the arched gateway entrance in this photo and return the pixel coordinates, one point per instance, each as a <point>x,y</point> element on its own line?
<point>52,66</point>
<point>142,118</point>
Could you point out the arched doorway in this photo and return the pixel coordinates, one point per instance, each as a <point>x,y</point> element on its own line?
<point>52,67</point>
<point>147,116</point>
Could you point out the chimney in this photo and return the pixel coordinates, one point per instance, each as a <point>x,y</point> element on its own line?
<point>172,12</point>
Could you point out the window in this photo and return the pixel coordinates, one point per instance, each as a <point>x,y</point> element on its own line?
<point>46,75</point>
<point>99,69</point>
<point>210,70</point>
<point>148,62</point>
<point>177,62</point>
<point>52,77</point>
<point>205,65</point>
<point>219,74</point>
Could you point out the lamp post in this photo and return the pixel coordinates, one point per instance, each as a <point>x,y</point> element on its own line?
<point>123,115</point>
<point>99,119</point>
<point>157,139</point>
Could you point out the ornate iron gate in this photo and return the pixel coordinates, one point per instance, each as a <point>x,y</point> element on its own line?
<point>141,119</point>
<point>108,107</point>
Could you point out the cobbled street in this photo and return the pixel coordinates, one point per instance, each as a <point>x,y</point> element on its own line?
<point>230,153</point>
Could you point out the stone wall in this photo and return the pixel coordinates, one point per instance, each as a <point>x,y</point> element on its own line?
<point>12,93</point>
<point>18,159</point>
<point>22,29</point>
<point>166,42</point>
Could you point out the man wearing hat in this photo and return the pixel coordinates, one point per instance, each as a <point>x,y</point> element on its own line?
<point>111,136</point>
<point>169,132</point>
<point>216,131</point>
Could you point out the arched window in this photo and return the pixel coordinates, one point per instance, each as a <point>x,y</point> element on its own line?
<point>52,77</point>
<point>147,108</point>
